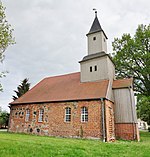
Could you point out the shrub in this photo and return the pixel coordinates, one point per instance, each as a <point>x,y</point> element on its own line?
<point>148,129</point>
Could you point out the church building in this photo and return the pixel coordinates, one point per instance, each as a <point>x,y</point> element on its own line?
<point>91,103</point>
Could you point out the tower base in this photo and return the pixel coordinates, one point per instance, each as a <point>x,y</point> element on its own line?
<point>127,131</point>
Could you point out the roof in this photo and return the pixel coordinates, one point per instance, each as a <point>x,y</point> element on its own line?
<point>93,56</point>
<point>96,27</point>
<point>96,55</point>
<point>64,88</point>
<point>122,83</point>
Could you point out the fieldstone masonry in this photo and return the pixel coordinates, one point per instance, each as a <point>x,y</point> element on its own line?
<point>54,120</point>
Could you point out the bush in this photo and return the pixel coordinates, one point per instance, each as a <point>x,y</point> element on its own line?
<point>148,129</point>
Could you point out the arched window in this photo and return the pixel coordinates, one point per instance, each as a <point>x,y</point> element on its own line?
<point>67,114</point>
<point>41,115</point>
<point>84,114</point>
<point>27,115</point>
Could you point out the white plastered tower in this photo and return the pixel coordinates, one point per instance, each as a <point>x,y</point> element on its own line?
<point>97,65</point>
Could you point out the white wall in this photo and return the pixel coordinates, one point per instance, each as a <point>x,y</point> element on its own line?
<point>105,69</point>
<point>101,73</point>
<point>98,45</point>
<point>110,94</point>
<point>111,69</point>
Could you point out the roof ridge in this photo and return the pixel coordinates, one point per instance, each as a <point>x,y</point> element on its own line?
<point>61,75</point>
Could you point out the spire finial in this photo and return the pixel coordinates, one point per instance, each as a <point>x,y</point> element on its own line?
<point>95,12</point>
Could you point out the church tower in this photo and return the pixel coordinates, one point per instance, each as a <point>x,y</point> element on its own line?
<point>97,65</point>
<point>97,39</point>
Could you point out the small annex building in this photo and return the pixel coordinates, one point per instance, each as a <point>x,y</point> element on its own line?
<point>91,103</point>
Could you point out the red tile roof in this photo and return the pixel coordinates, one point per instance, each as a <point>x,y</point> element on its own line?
<point>122,83</point>
<point>64,88</point>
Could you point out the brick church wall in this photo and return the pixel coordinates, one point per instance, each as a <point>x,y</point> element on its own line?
<point>127,131</point>
<point>54,119</point>
<point>109,120</point>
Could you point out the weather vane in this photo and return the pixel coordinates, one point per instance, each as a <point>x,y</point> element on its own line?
<point>95,11</point>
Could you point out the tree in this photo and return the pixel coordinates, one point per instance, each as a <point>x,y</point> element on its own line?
<point>143,108</point>
<point>22,88</point>
<point>132,58</point>
<point>4,118</point>
<point>6,37</point>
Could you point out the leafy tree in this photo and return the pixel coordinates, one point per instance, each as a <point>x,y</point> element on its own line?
<point>4,118</point>
<point>132,58</point>
<point>22,88</point>
<point>6,37</point>
<point>143,108</point>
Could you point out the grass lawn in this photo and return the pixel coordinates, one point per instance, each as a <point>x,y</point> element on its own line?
<point>21,145</point>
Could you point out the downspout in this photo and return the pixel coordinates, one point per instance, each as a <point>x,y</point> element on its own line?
<point>103,120</point>
<point>134,133</point>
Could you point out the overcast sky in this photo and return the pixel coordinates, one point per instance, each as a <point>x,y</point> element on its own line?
<point>51,35</point>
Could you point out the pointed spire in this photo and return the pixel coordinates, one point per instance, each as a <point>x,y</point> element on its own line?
<point>96,27</point>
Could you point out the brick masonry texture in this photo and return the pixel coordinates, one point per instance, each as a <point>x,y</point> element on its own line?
<point>54,119</point>
<point>127,131</point>
<point>109,120</point>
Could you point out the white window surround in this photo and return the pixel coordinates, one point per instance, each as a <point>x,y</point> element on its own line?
<point>67,114</point>
<point>27,115</point>
<point>84,114</point>
<point>41,115</point>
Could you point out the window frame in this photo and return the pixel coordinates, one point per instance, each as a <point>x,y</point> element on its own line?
<point>67,114</point>
<point>27,117</point>
<point>41,115</point>
<point>91,68</point>
<point>84,114</point>
<point>95,67</point>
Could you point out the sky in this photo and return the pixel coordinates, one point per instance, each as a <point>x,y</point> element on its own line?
<point>51,37</point>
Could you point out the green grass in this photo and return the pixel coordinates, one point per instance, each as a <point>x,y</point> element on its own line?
<point>21,145</point>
